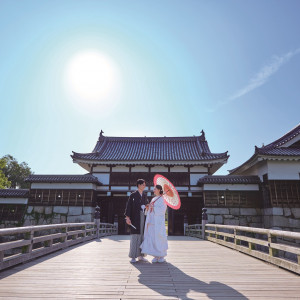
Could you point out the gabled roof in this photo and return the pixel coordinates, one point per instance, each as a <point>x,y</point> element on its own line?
<point>228,179</point>
<point>116,149</point>
<point>278,148</point>
<point>14,193</point>
<point>88,178</point>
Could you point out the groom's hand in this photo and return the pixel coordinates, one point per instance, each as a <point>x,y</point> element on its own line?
<point>128,221</point>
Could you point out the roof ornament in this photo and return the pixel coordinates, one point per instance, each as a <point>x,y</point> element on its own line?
<point>202,136</point>
<point>101,134</point>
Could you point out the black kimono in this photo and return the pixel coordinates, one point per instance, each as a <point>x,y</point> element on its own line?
<point>133,209</point>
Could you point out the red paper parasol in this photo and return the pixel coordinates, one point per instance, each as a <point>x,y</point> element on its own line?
<point>170,195</point>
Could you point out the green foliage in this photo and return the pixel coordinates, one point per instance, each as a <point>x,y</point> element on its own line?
<point>41,217</point>
<point>4,182</point>
<point>16,173</point>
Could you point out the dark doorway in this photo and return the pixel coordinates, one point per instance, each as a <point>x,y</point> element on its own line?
<point>192,208</point>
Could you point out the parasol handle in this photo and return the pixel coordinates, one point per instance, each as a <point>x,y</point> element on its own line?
<point>132,226</point>
<point>166,191</point>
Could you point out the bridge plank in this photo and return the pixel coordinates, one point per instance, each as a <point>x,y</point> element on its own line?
<point>196,269</point>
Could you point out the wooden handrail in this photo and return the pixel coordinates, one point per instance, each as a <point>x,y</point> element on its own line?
<point>263,243</point>
<point>18,245</point>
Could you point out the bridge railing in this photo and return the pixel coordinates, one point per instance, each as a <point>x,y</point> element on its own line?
<point>18,245</point>
<point>194,230</point>
<point>278,247</point>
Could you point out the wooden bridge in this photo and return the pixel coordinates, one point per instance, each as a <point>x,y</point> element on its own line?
<point>100,269</point>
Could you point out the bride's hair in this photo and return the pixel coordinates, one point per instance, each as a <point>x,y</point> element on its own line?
<point>159,187</point>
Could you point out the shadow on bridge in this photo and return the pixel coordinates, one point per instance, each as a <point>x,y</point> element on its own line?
<point>152,277</point>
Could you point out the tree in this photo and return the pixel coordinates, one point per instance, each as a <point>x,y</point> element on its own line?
<point>4,182</point>
<point>16,173</point>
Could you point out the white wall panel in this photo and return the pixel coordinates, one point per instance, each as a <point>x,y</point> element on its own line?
<point>63,186</point>
<point>13,200</point>
<point>139,169</point>
<point>198,169</point>
<point>120,169</point>
<point>159,169</point>
<point>179,169</point>
<point>101,169</point>
<point>284,170</point>
<point>231,187</point>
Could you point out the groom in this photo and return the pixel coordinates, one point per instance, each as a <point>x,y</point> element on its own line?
<point>134,214</point>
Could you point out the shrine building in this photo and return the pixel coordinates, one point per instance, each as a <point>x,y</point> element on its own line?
<point>117,162</point>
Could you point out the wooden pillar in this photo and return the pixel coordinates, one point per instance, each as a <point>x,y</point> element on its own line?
<point>29,236</point>
<point>110,210</point>
<point>129,177</point>
<point>271,239</point>
<point>236,241</point>
<point>204,221</point>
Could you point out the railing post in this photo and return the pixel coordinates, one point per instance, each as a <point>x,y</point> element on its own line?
<point>28,236</point>
<point>185,223</point>
<point>251,245</point>
<point>204,222</point>
<point>84,234</point>
<point>272,252</point>
<point>64,239</point>
<point>1,256</point>
<point>235,239</point>
<point>116,224</point>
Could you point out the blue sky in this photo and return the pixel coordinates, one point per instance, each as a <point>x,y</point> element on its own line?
<point>229,67</point>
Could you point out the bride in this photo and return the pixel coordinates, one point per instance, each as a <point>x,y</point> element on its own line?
<point>155,238</point>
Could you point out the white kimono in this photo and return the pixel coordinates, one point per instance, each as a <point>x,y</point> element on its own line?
<point>155,237</point>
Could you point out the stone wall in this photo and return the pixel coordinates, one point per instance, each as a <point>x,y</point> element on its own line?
<point>9,224</point>
<point>282,218</point>
<point>270,218</point>
<point>236,216</point>
<point>42,215</point>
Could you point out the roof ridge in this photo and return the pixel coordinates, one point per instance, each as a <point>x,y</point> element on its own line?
<point>283,139</point>
<point>151,137</point>
<point>60,175</point>
<point>13,189</point>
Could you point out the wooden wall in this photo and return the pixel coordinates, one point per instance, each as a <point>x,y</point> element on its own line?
<point>12,212</point>
<point>232,198</point>
<point>63,197</point>
<point>284,193</point>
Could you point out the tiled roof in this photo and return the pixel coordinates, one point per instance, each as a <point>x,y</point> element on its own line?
<point>228,179</point>
<point>88,178</point>
<point>14,193</point>
<point>276,148</point>
<point>151,149</point>
<point>279,151</point>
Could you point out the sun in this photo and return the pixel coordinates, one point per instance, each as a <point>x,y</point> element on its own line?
<point>91,76</point>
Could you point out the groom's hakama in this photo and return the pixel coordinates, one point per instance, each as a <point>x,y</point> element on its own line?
<point>137,217</point>
<point>137,239</point>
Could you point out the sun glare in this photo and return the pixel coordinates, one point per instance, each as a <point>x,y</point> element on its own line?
<point>91,76</point>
